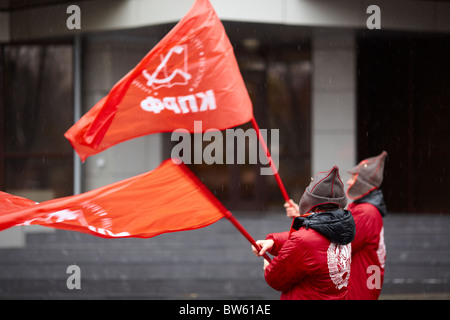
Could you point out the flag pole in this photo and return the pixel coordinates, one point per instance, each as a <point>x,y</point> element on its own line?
<point>244,232</point>
<point>269,157</point>
<point>225,212</point>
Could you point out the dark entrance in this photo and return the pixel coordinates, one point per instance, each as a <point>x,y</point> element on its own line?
<point>403,107</point>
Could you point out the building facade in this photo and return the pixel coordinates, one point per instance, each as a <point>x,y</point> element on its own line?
<point>339,80</point>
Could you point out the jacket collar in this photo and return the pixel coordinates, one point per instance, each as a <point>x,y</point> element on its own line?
<point>336,225</point>
<point>376,199</point>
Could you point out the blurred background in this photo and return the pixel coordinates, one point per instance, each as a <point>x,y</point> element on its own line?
<point>337,91</point>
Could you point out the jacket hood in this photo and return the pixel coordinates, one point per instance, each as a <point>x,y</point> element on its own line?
<point>337,225</point>
<point>375,198</point>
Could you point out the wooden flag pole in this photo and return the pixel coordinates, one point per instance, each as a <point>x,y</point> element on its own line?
<point>272,164</point>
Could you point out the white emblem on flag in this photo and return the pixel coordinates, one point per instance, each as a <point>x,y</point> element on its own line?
<point>163,76</point>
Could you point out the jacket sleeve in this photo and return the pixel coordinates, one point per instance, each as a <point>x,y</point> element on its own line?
<point>288,267</point>
<point>278,241</point>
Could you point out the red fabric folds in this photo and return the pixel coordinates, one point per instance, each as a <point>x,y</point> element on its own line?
<point>167,199</point>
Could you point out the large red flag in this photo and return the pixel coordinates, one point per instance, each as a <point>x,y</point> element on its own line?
<point>190,75</point>
<point>167,199</point>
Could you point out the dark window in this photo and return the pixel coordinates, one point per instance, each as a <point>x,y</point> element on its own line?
<point>36,108</point>
<point>403,107</point>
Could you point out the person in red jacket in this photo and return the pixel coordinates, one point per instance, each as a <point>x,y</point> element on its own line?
<point>368,247</point>
<point>312,260</point>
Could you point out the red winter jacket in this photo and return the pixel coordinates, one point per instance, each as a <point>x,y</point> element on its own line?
<point>368,251</point>
<point>307,265</point>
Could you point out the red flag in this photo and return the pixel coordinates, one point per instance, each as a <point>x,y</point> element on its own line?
<point>190,75</point>
<point>167,199</point>
<point>11,203</point>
